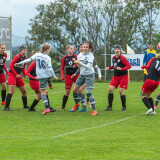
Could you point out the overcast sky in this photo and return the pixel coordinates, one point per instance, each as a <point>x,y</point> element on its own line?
<point>21,11</point>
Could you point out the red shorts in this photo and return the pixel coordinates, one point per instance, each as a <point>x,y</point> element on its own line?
<point>2,78</point>
<point>149,85</point>
<point>69,81</point>
<point>122,80</point>
<point>34,85</point>
<point>12,80</point>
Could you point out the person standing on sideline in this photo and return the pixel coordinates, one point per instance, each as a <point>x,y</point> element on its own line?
<point>151,83</point>
<point>85,63</point>
<point>120,66</point>
<point>3,57</point>
<point>34,84</point>
<point>150,53</point>
<point>15,78</point>
<point>68,64</point>
<point>44,72</point>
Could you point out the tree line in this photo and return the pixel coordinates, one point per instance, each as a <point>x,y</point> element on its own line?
<point>105,22</point>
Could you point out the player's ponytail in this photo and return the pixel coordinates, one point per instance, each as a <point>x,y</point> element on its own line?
<point>91,46</point>
<point>45,47</point>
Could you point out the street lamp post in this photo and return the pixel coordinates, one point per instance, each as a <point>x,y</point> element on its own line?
<point>81,22</point>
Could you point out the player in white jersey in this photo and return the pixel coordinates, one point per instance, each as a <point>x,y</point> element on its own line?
<point>81,95</point>
<point>85,63</point>
<point>44,71</point>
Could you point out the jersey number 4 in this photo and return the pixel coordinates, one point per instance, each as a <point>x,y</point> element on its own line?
<point>157,65</point>
<point>41,64</point>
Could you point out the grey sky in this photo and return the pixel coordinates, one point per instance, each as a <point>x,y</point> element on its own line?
<point>21,11</point>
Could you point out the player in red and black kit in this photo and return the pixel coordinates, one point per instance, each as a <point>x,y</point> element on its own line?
<point>120,66</point>
<point>15,79</point>
<point>71,68</point>
<point>151,83</point>
<point>3,57</point>
<point>34,84</point>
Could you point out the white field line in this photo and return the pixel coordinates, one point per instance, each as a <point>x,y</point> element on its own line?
<point>72,132</point>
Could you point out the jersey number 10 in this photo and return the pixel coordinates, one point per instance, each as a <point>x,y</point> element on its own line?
<point>41,64</point>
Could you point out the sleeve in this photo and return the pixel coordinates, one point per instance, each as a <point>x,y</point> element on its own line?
<point>98,70</point>
<point>15,59</point>
<point>5,68</point>
<point>126,63</point>
<point>145,57</point>
<point>62,68</point>
<point>111,67</point>
<point>149,63</point>
<point>26,61</point>
<point>29,59</point>
<point>30,68</point>
<point>155,54</point>
<point>50,68</point>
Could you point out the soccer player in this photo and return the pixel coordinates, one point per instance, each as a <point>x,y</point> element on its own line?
<point>3,57</point>
<point>44,71</point>
<point>151,83</point>
<point>150,53</point>
<point>68,64</point>
<point>120,66</point>
<point>85,63</point>
<point>80,91</point>
<point>15,79</point>
<point>34,84</point>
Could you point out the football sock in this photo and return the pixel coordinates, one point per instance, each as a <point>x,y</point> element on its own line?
<point>45,100</point>
<point>64,101</point>
<point>3,94</point>
<point>123,100</point>
<point>110,99</point>
<point>8,100</point>
<point>83,101</point>
<point>79,97</point>
<point>92,100</point>
<point>146,102</point>
<point>151,102</point>
<point>48,100</point>
<point>24,99</point>
<point>157,100</point>
<point>35,102</point>
<point>87,99</point>
<point>76,99</point>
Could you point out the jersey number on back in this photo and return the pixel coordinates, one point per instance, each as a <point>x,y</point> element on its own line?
<point>157,65</point>
<point>41,64</point>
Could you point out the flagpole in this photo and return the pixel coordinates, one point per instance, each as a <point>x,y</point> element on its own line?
<point>128,69</point>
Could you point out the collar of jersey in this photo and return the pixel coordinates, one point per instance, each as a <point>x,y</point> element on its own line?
<point>151,51</point>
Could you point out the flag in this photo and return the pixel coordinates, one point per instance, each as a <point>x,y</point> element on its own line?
<point>129,50</point>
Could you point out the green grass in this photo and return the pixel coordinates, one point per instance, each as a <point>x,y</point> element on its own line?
<point>129,135</point>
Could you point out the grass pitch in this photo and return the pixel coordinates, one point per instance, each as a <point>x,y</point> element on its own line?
<point>113,135</point>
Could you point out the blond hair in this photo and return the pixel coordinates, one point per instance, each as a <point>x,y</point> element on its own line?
<point>1,44</point>
<point>33,52</point>
<point>68,46</point>
<point>45,47</point>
